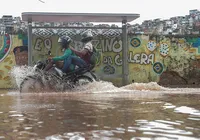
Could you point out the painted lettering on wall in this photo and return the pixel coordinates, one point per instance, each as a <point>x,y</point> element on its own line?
<point>107,60</point>
<point>39,43</point>
<point>47,44</point>
<point>111,45</point>
<point>108,45</point>
<point>115,46</point>
<point>143,59</point>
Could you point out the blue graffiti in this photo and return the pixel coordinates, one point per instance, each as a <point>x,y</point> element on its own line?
<point>196,44</point>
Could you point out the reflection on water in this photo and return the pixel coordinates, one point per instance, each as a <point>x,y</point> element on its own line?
<point>107,113</point>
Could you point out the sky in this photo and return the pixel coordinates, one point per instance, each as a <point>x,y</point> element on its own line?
<point>148,9</point>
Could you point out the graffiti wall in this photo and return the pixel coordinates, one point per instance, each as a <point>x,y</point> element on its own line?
<point>13,51</point>
<point>167,60</point>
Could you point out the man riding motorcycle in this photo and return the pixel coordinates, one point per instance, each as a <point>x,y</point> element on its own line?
<point>84,54</point>
<point>65,43</point>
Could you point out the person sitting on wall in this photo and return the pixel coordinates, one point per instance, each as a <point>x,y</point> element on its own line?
<point>84,54</point>
<point>64,43</point>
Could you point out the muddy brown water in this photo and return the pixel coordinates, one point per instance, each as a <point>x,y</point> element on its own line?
<point>101,111</point>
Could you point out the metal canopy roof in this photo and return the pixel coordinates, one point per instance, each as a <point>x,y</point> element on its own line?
<point>77,17</point>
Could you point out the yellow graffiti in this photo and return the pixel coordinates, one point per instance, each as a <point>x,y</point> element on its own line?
<point>1,71</point>
<point>7,59</point>
<point>136,69</point>
<point>6,78</point>
<point>8,67</point>
<point>192,50</point>
<point>181,41</point>
<point>10,62</point>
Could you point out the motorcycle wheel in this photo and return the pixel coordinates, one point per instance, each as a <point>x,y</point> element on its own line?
<point>31,84</point>
<point>82,80</point>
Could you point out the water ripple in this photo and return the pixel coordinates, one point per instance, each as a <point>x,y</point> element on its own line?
<point>187,110</point>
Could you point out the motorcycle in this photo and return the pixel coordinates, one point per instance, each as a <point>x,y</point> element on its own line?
<point>55,79</point>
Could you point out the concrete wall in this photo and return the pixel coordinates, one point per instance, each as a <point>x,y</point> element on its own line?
<point>164,59</point>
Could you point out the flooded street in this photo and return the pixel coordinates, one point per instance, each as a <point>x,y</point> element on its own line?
<point>101,111</point>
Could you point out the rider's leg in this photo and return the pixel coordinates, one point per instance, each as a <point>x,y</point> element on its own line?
<point>67,63</point>
<point>78,61</point>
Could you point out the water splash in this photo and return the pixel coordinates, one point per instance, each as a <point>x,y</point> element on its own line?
<point>99,87</point>
<point>144,86</point>
<point>18,73</point>
<point>108,87</point>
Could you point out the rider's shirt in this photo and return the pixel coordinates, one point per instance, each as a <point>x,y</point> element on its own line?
<point>67,53</point>
<point>86,57</point>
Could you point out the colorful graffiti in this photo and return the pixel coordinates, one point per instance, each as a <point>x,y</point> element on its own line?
<point>149,58</point>
<point>12,53</point>
<point>158,67</point>
<point>166,60</point>
<point>5,46</point>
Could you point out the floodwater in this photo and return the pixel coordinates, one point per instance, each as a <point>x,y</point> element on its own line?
<point>101,111</point>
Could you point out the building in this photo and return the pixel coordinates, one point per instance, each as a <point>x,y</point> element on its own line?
<point>8,23</point>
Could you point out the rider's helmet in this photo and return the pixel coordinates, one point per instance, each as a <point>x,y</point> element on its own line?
<point>86,37</point>
<point>64,41</point>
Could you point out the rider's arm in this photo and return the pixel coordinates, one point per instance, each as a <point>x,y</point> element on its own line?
<point>79,53</point>
<point>64,56</point>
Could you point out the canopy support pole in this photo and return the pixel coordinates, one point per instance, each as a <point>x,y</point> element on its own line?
<point>29,43</point>
<point>125,67</point>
